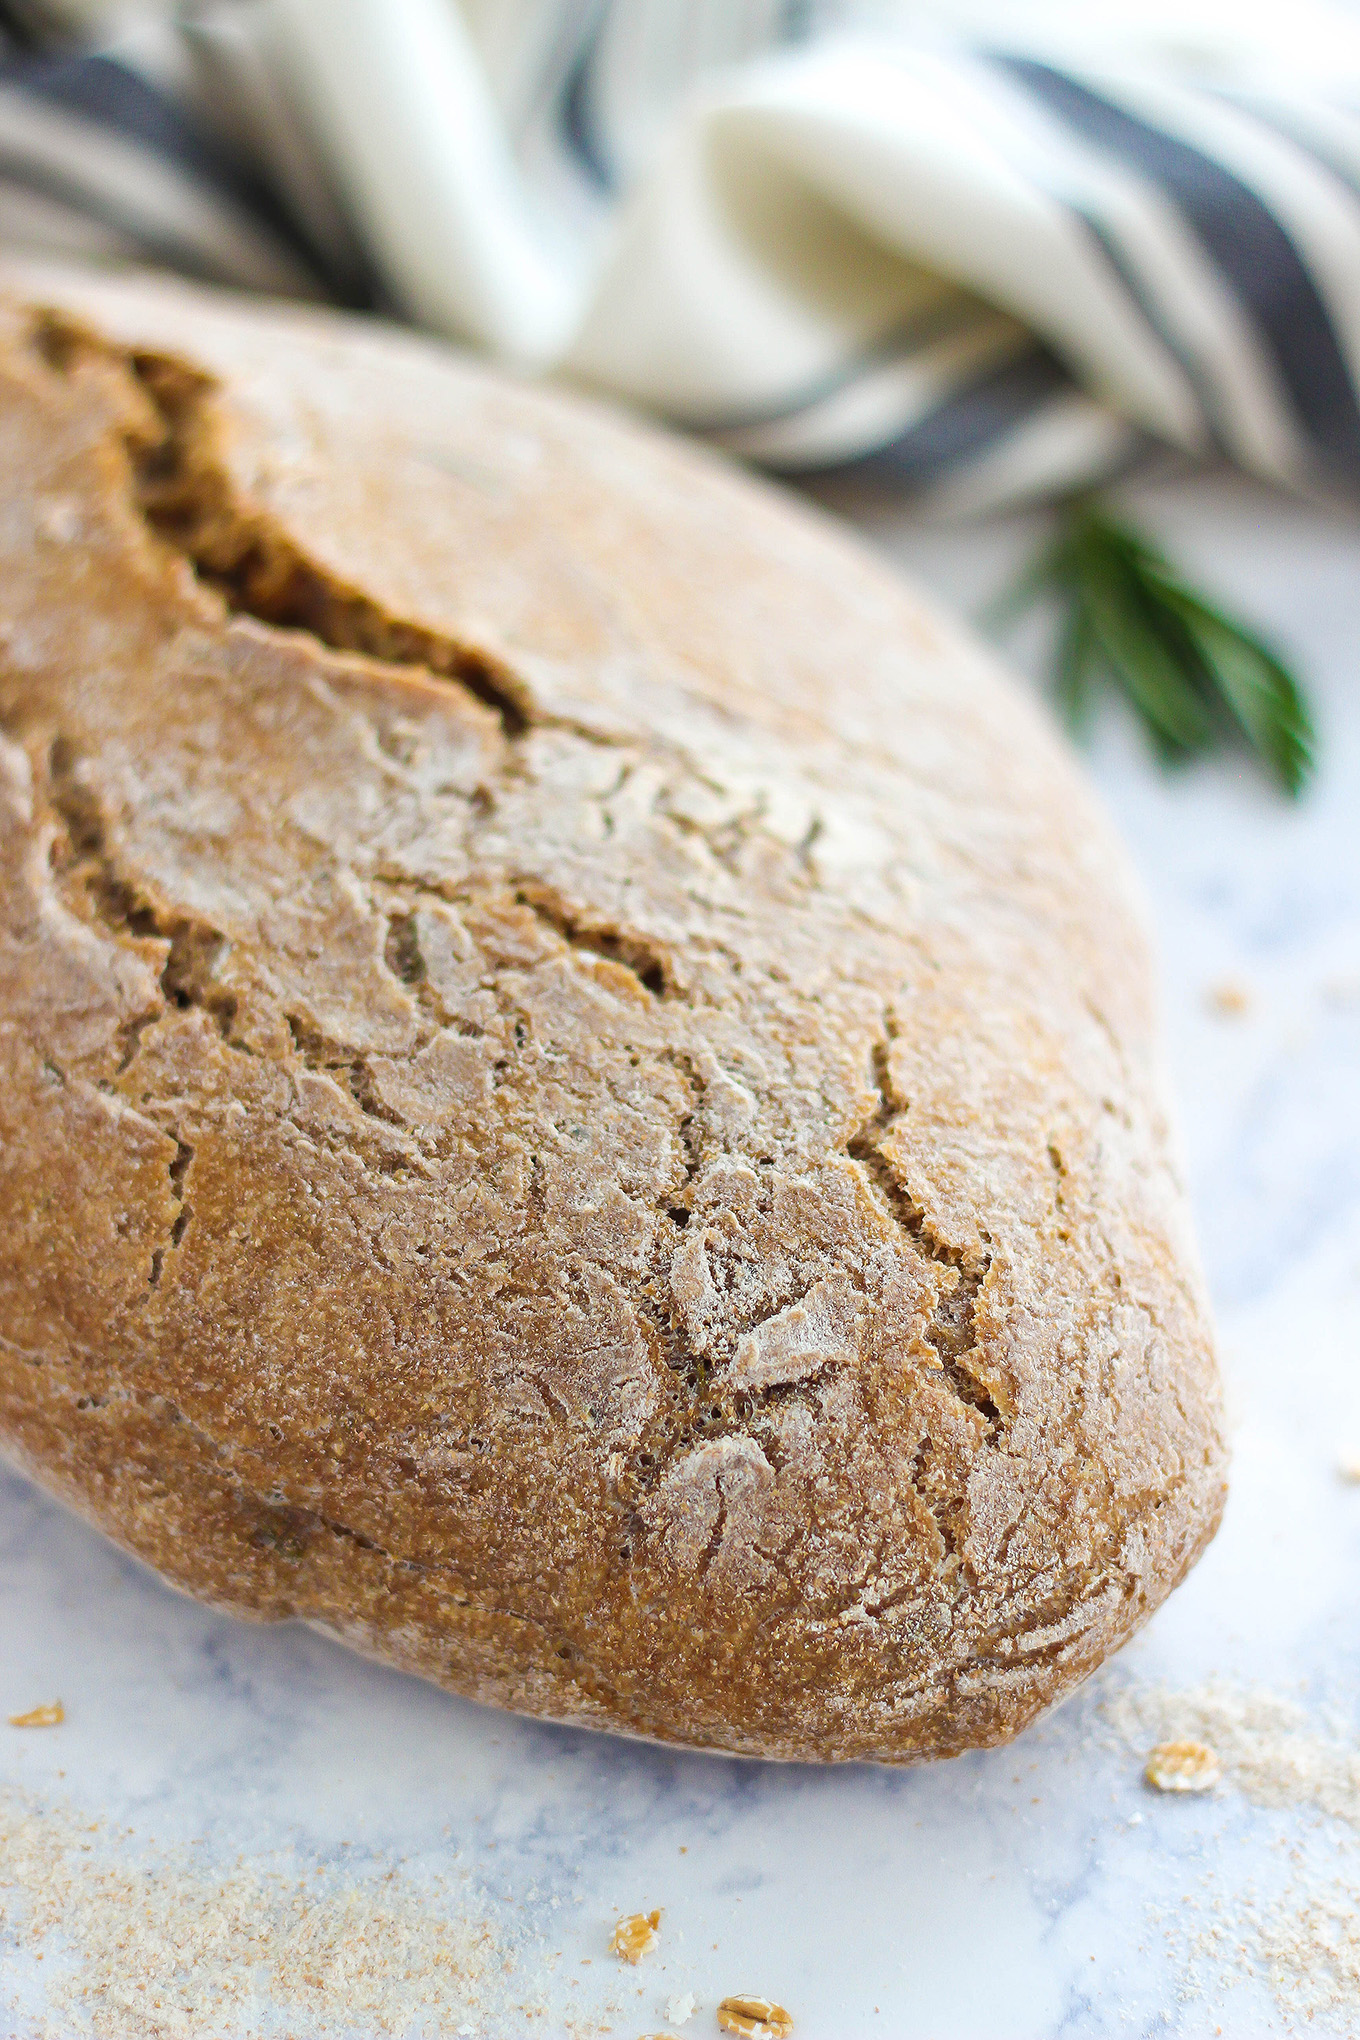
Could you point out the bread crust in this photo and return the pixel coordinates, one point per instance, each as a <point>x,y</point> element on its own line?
<point>579,1100</point>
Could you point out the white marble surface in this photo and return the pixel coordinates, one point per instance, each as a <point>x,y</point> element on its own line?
<point>1017,1895</point>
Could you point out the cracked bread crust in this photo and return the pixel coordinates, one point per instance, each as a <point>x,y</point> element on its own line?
<point>578,1095</point>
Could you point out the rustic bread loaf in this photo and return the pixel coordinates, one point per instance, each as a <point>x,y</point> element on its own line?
<point>578,1101</point>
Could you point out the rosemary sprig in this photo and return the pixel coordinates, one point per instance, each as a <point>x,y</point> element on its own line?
<point>1197,677</point>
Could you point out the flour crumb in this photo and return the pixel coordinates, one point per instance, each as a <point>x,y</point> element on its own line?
<point>1229,999</point>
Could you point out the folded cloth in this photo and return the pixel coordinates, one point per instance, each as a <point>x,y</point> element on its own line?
<point>986,250</point>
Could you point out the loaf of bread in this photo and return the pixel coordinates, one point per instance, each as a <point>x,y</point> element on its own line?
<point>579,1102</point>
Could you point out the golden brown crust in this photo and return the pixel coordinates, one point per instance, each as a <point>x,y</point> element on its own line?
<point>578,1086</point>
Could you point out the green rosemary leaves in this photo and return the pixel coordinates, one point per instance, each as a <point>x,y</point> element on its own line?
<point>1196,676</point>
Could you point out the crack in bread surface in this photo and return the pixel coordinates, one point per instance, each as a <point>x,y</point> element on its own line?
<point>952,1328</point>
<point>183,492</point>
<point>182,489</point>
<point>240,553</point>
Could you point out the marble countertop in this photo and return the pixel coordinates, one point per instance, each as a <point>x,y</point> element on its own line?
<point>1020,1894</point>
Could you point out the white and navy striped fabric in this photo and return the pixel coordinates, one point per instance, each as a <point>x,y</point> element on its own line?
<point>982,253</point>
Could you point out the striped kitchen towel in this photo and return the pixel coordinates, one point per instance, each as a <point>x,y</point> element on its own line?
<point>984,250</point>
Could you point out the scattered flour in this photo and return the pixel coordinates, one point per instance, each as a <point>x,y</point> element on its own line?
<point>1301,1939</point>
<point>159,1945</point>
<point>1266,1745</point>
<point>1301,1936</point>
<point>1309,1942</point>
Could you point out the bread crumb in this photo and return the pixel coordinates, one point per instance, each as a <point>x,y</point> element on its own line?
<point>754,2018</point>
<point>679,2009</point>
<point>50,1715</point>
<point>1183,1767</point>
<point>1229,999</point>
<point>635,1934</point>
